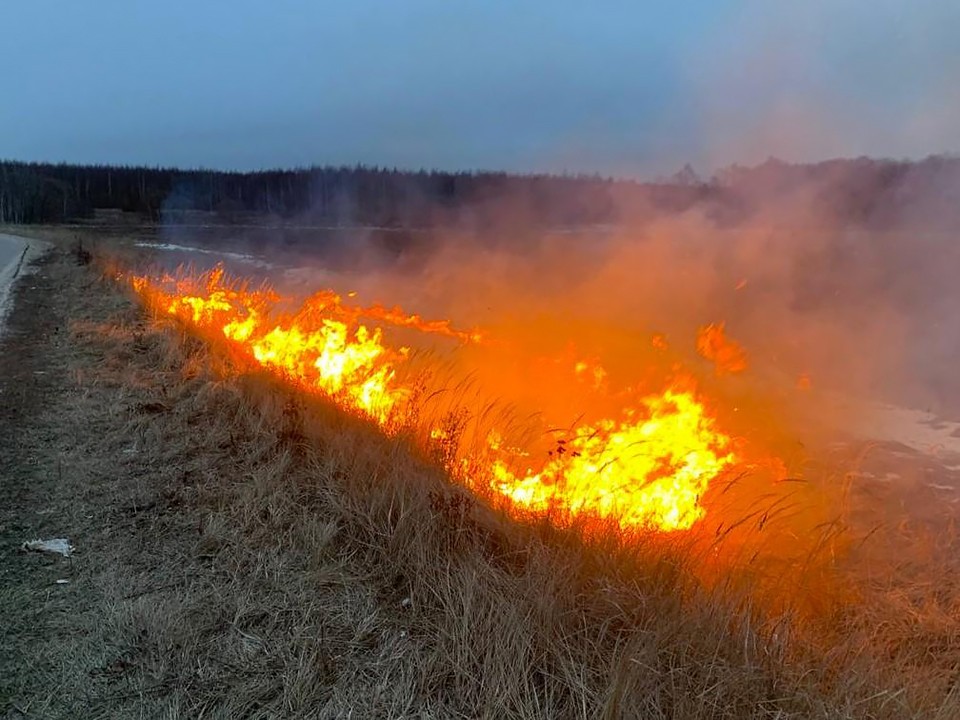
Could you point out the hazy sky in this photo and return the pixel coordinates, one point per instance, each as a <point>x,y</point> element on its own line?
<point>624,87</point>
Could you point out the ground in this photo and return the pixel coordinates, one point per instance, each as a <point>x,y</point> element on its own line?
<point>243,553</point>
<point>146,621</point>
<point>38,500</point>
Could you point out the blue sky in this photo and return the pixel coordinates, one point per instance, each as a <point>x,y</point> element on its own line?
<point>612,86</point>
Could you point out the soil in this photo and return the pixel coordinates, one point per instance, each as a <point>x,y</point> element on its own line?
<point>33,381</point>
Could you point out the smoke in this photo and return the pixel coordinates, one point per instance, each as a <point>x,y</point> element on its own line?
<point>840,288</point>
<point>836,280</point>
<point>835,277</point>
<point>827,79</point>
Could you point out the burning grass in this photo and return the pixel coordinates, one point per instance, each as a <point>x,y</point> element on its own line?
<point>281,557</point>
<point>647,465</point>
<point>608,610</point>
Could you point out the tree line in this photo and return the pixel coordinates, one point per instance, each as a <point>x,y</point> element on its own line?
<point>44,193</point>
<point>860,191</point>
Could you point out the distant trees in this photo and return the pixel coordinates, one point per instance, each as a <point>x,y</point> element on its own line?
<point>41,192</point>
<point>37,192</point>
<point>866,192</point>
<point>860,191</point>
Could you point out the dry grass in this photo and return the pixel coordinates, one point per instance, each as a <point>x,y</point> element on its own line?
<point>250,553</point>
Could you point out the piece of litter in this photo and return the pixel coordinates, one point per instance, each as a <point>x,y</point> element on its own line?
<point>406,602</point>
<point>60,546</point>
<point>63,581</point>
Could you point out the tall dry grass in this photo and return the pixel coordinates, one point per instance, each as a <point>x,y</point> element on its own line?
<point>284,558</point>
<point>455,609</point>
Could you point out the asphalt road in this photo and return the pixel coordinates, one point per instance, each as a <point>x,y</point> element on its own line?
<point>11,250</point>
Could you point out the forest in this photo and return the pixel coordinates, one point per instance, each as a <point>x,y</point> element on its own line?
<point>862,192</point>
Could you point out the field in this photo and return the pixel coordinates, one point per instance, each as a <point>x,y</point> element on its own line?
<point>246,551</point>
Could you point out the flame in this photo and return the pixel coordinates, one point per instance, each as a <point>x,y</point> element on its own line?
<point>647,466</point>
<point>320,347</point>
<point>650,468</point>
<point>659,342</point>
<point>591,372</point>
<point>726,354</point>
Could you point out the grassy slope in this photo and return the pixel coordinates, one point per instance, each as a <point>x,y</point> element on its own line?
<point>244,553</point>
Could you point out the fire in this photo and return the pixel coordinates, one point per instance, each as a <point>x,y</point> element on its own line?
<point>591,372</point>
<point>320,347</point>
<point>726,354</point>
<point>647,466</point>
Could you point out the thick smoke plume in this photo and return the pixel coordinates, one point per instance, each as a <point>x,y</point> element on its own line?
<point>818,297</point>
<point>828,289</point>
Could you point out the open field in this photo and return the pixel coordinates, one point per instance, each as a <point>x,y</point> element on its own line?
<point>245,552</point>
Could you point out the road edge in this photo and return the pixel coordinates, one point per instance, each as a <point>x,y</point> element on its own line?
<point>32,249</point>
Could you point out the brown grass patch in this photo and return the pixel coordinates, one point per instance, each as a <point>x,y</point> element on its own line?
<point>245,552</point>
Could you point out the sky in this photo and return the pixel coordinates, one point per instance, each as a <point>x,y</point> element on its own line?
<point>614,86</point>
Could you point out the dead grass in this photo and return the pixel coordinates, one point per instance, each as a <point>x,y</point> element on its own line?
<point>250,553</point>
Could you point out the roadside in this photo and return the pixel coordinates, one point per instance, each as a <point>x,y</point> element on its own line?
<point>241,552</point>
<point>112,440</point>
<point>51,606</point>
<point>15,254</point>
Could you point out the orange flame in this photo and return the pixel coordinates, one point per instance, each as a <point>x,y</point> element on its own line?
<point>648,467</point>
<point>320,347</point>
<point>726,354</point>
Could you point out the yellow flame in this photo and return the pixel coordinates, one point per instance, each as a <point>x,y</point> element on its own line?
<point>646,471</point>
<point>649,467</point>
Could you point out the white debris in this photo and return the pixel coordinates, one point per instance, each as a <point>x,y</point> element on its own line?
<point>59,546</point>
<point>63,581</point>
<point>406,602</point>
